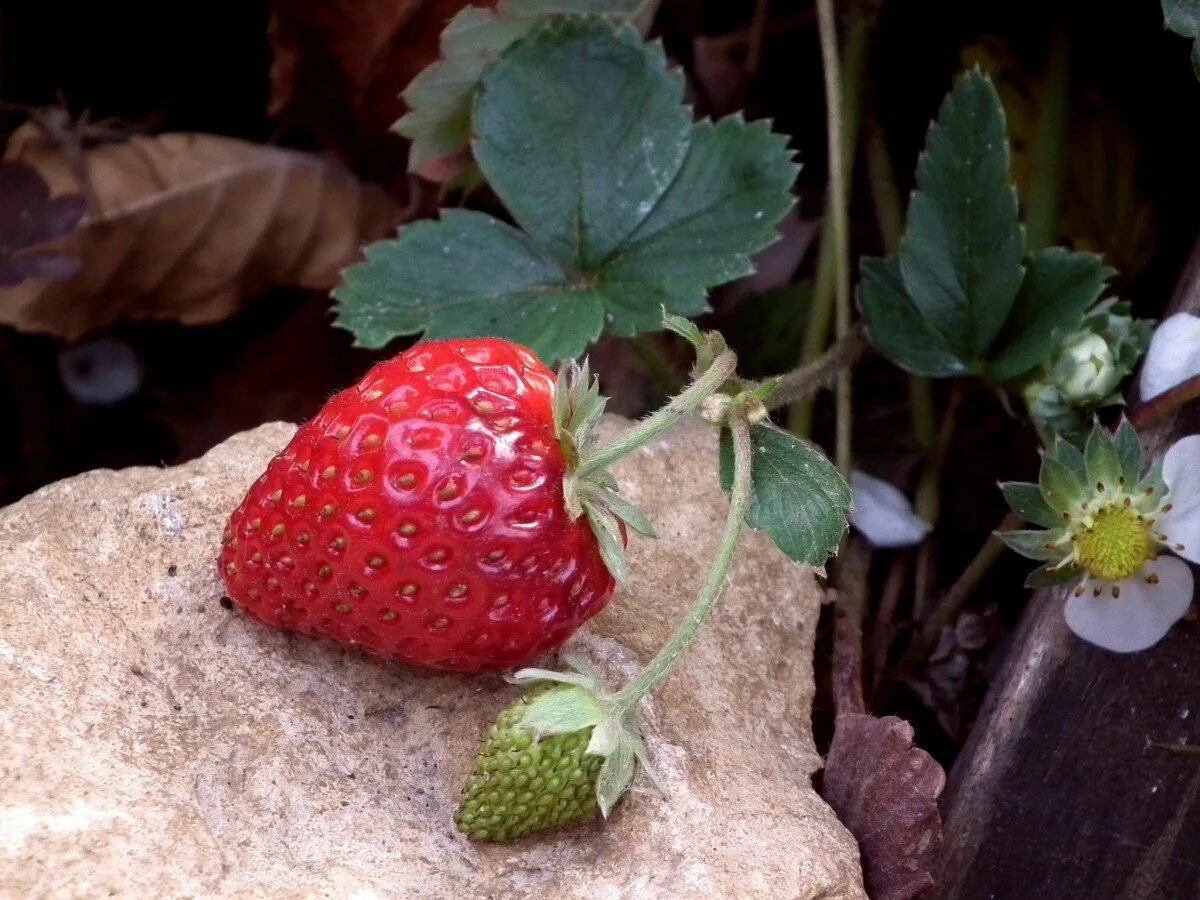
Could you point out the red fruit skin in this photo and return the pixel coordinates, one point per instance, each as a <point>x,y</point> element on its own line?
<point>420,514</point>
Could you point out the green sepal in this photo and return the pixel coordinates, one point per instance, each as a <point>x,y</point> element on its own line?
<point>608,535</point>
<point>1048,576</point>
<point>578,408</point>
<point>622,509</point>
<point>1070,456</point>
<point>685,328</point>
<point>1129,452</point>
<point>616,774</point>
<point>1154,479</point>
<point>1061,488</point>
<point>539,676</point>
<point>1101,458</point>
<point>1033,544</point>
<point>605,736</point>
<point>1026,500</point>
<point>562,710</point>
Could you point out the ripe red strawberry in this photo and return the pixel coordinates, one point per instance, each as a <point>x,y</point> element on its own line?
<point>421,514</point>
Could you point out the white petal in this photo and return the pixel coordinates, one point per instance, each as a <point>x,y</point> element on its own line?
<point>1141,616</point>
<point>883,514</point>
<point>1174,354</point>
<point>1181,472</point>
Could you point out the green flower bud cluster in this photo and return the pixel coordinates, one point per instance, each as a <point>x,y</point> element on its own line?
<point>1086,369</point>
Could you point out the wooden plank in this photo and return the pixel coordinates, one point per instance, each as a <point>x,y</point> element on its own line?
<point>1063,789</point>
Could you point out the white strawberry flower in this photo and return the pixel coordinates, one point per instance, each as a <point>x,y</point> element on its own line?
<point>1110,529</point>
<point>1174,355</point>
<point>883,514</point>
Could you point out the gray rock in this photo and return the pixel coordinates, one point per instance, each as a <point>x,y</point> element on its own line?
<point>154,743</point>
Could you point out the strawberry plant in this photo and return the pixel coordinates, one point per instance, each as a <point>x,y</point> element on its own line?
<point>519,205</point>
<point>454,509</point>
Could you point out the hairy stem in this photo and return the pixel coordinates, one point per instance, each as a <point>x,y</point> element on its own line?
<point>848,80</point>
<point>839,217</point>
<point>718,575</point>
<point>656,423</point>
<point>804,381</point>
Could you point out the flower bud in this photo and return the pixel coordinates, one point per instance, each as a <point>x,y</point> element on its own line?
<point>1085,371</point>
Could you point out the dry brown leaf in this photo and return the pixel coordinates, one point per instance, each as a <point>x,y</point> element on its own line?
<point>340,65</point>
<point>885,791</point>
<point>191,226</point>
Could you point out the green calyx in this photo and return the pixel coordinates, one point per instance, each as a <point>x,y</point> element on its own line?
<point>588,488</point>
<point>1098,510</point>
<point>553,758</point>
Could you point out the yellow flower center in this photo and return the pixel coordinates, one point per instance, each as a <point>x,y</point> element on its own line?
<point>1116,545</point>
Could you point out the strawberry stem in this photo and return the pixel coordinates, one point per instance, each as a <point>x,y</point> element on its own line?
<point>718,575</point>
<point>649,428</point>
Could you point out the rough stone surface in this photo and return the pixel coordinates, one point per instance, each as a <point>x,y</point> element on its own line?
<point>155,743</point>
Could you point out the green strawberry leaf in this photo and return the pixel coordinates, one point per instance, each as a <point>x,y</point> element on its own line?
<point>467,274</point>
<point>1059,288</point>
<point>796,495</point>
<point>579,168</point>
<point>439,99</point>
<point>962,247</point>
<point>627,207</point>
<point>897,328</point>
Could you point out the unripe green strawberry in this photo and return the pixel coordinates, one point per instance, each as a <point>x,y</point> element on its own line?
<point>521,785</point>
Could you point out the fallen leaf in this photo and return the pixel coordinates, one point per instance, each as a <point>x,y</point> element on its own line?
<point>885,791</point>
<point>191,226</point>
<point>29,218</point>
<point>340,66</point>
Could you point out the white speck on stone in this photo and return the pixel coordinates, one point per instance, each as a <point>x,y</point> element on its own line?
<point>164,508</point>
